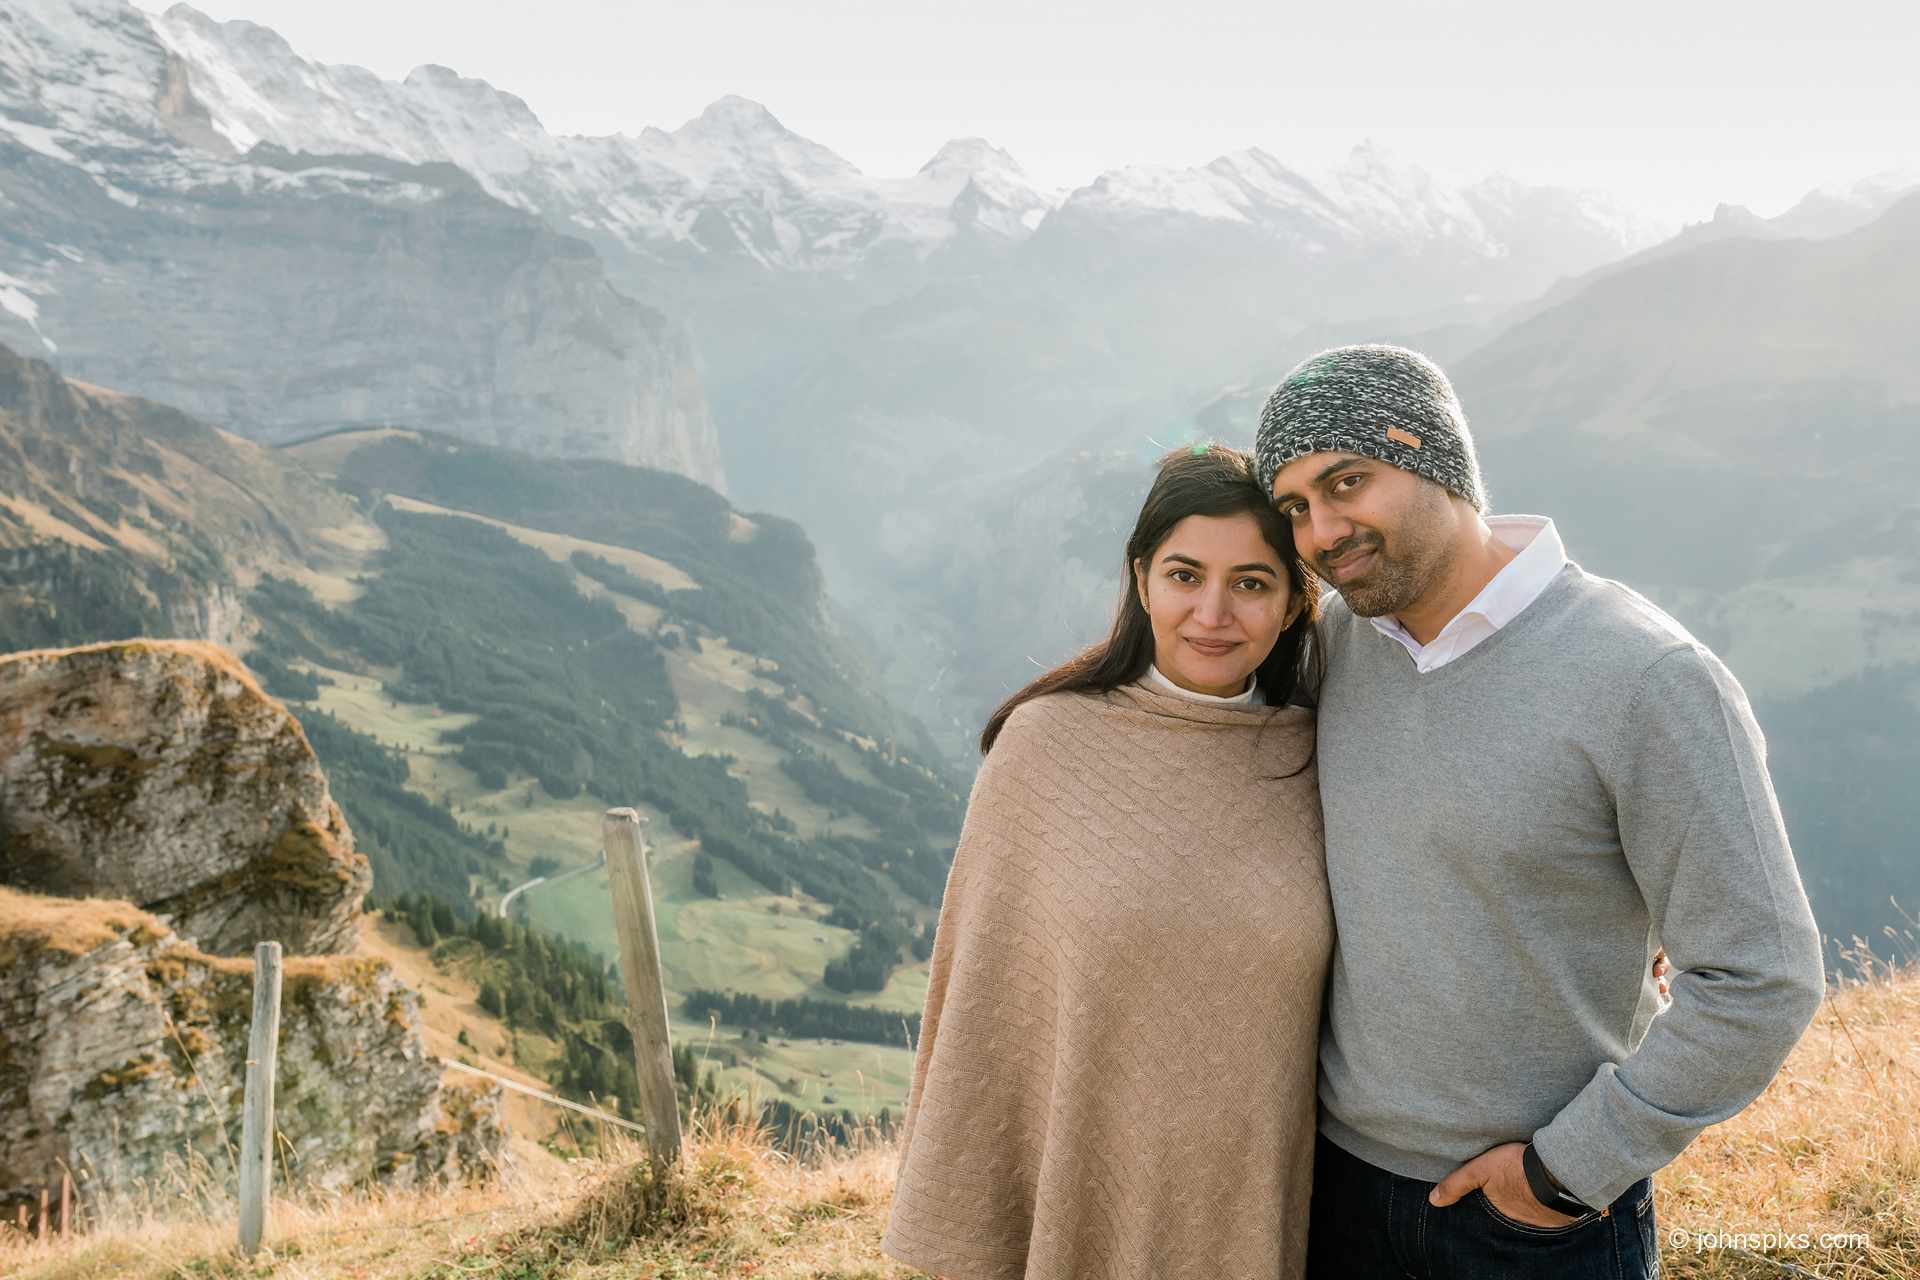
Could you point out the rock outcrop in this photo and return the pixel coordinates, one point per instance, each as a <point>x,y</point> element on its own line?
<point>159,772</point>
<point>123,1057</point>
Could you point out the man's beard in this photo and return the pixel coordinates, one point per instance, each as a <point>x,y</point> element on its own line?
<point>1396,581</point>
<point>1388,586</point>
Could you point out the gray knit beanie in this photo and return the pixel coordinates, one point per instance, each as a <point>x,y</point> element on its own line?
<point>1382,402</point>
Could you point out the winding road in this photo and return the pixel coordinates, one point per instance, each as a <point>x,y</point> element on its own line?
<point>506,903</point>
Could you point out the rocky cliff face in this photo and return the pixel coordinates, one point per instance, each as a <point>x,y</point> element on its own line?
<point>282,295</point>
<point>159,772</point>
<point>123,1056</point>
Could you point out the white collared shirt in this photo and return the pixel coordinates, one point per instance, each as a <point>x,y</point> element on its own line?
<point>1247,696</point>
<point>1540,559</point>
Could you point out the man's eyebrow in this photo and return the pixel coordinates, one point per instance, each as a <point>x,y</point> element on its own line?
<point>1258,565</point>
<point>1339,465</point>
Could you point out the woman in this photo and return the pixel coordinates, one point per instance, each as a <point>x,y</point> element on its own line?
<point>1115,1074</point>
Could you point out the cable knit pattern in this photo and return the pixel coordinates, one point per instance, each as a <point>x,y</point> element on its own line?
<point>1115,1074</point>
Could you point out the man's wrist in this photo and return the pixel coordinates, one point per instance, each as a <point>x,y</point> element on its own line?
<point>1546,1188</point>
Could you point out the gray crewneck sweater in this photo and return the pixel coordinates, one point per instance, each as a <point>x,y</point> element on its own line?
<point>1509,838</point>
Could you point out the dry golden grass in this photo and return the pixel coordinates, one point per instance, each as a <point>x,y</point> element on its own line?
<point>736,1207</point>
<point>31,922</point>
<point>73,926</point>
<point>186,1226</point>
<point>559,546</point>
<point>450,1007</point>
<point>1832,1148</point>
<point>324,454</point>
<point>39,520</point>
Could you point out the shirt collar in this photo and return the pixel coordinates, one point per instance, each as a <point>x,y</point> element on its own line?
<point>1540,556</point>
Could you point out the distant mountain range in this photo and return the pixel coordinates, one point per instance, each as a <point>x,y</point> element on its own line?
<point>953,380</point>
<point>279,294</point>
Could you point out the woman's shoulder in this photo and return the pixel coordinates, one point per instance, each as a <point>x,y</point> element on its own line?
<point>1037,719</point>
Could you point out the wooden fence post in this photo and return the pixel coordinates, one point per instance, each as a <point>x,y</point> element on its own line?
<point>40,1228</point>
<point>256,1124</point>
<point>646,992</point>
<point>66,1203</point>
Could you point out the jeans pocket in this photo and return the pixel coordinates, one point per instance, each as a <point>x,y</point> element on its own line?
<point>1527,1229</point>
<point>1649,1237</point>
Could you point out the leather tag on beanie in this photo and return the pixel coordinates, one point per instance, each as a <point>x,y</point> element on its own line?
<point>1406,438</point>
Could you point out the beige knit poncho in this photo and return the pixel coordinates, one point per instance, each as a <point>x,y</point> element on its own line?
<point>1116,1066</point>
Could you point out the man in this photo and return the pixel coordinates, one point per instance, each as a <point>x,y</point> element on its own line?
<point>1532,779</point>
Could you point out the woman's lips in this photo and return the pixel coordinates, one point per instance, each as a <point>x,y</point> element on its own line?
<point>1212,648</point>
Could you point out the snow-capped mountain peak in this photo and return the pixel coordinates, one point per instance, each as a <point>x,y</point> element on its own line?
<point>979,186</point>
<point>1839,207</point>
<point>968,156</point>
<point>733,179</point>
<point>1371,198</point>
<point>737,143</point>
<point>734,116</point>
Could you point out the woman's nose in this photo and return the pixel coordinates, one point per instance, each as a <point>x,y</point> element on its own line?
<point>1215,608</point>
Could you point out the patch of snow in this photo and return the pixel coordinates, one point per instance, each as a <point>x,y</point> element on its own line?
<point>1151,188</point>
<point>37,138</point>
<point>14,298</point>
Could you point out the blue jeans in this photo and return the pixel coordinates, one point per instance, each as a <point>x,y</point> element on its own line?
<point>1368,1223</point>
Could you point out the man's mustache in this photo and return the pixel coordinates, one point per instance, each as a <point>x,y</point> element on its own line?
<point>1346,547</point>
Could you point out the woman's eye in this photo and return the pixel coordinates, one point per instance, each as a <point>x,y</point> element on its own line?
<point>1255,584</point>
<point>1183,575</point>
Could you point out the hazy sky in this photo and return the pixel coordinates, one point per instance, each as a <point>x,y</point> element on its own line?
<point>1673,106</point>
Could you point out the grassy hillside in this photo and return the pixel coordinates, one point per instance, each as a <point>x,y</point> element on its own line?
<point>489,650</point>
<point>521,678</point>
<point>1820,1177</point>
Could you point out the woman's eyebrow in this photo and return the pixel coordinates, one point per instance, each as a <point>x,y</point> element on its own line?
<point>1259,565</point>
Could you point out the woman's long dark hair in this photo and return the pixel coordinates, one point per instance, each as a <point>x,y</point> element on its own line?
<point>1205,480</point>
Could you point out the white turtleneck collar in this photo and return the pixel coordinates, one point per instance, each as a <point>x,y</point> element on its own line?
<point>1249,696</point>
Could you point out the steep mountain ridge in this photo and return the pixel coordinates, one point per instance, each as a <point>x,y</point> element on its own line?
<point>280,294</point>
<point>1825,213</point>
<point>1741,311</point>
<point>732,181</point>
<point>138,518</point>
